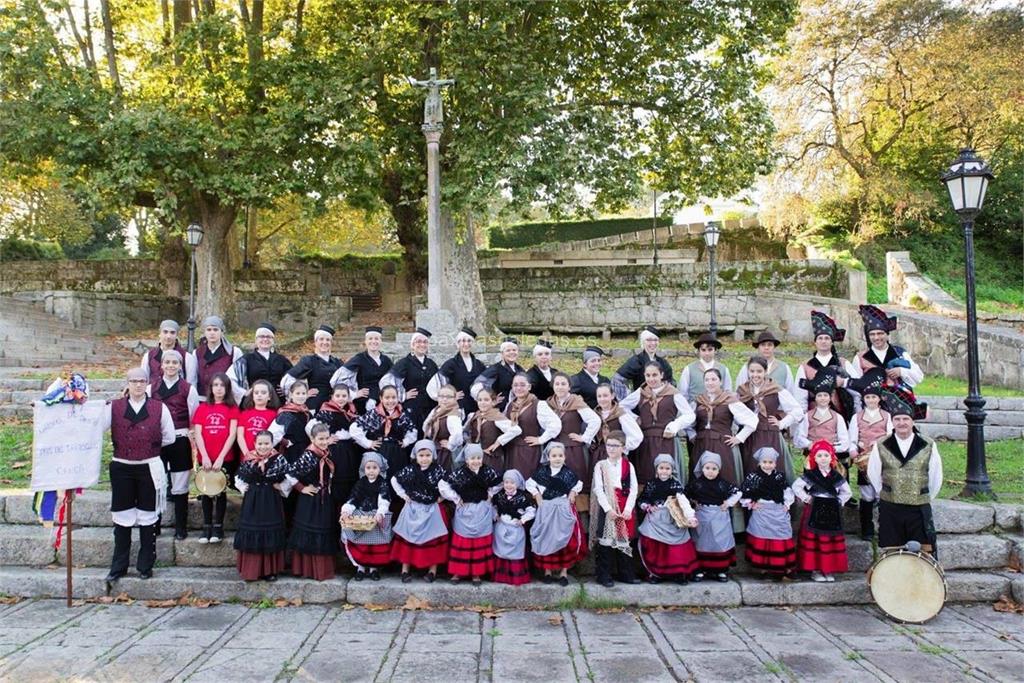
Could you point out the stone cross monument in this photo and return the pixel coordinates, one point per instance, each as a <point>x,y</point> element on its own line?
<point>435,318</point>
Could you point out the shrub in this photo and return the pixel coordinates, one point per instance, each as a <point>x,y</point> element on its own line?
<point>530,234</point>
<point>23,249</point>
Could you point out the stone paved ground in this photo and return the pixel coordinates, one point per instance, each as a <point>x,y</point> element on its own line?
<point>44,640</point>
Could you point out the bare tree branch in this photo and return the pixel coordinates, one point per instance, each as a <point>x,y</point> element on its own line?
<point>108,47</point>
<point>82,47</point>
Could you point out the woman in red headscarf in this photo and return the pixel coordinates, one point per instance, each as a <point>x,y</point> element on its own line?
<point>821,546</point>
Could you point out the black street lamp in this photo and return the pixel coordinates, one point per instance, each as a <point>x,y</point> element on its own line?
<point>967,180</point>
<point>712,231</point>
<point>193,235</point>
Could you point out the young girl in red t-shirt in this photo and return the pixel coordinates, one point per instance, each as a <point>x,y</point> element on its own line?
<point>258,410</point>
<point>214,425</point>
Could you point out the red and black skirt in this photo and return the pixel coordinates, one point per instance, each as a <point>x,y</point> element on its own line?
<point>511,572</point>
<point>471,557</point>
<point>573,551</point>
<point>422,556</point>
<point>664,559</point>
<point>825,553</point>
<point>717,561</point>
<point>776,555</point>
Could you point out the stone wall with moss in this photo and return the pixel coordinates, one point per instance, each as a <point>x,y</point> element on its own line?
<point>623,298</point>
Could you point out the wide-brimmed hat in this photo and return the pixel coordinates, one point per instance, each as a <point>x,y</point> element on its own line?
<point>765,336</point>
<point>707,338</point>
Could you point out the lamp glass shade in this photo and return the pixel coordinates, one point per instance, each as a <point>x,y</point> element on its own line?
<point>967,182</point>
<point>711,234</point>
<point>194,234</point>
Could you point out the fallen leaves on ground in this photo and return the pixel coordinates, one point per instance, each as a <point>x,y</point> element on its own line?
<point>1006,604</point>
<point>119,599</point>
<point>285,602</point>
<point>375,607</point>
<point>21,464</point>
<point>609,610</point>
<point>10,599</point>
<point>414,603</point>
<point>555,620</point>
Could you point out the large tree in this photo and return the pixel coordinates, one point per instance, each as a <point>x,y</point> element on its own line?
<point>552,97</point>
<point>202,108</point>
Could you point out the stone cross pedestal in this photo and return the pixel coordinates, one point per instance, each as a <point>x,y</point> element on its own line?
<point>436,318</point>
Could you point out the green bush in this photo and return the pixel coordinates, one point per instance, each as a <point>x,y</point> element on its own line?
<point>530,234</point>
<point>21,249</point>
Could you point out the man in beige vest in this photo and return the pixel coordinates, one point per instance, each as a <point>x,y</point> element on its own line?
<point>906,470</point>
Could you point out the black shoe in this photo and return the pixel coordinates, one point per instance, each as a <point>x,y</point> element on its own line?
<point>653,579</point>
<point>114,576</point>
<point>607,583</point>
<point>148,574</point>
<point>548,578</point>
<point>430,577</point>
<point>360,575</point>
<point>563,581</point>
<point>477,581</point>
<point>852,504</point>
<point>406,577</point>
<point>374,575</point>
<point>698,577</point>
<point>682,580</point>
<point>270,577</point>
<point>632,581</point>
<point>721,577</point>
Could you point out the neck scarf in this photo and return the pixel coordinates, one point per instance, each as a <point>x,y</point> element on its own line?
<point>746,394</point>
<point>388,418</point>
<point>348,410</point>
<point>648,396</point>
<point>723,398</point>
<point>295,408</point>
<point>440,414</point>
<point>325,464</point>
<point>517,406</point>
<point>570,403</point>
<point>260,460</point>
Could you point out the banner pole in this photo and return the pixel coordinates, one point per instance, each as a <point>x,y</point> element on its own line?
<point>70,561</point>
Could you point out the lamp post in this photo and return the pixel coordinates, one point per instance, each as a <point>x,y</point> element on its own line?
<point>193,235</point>
<point>654,228</point>
<point>967,180</point>
<point>712,231</point>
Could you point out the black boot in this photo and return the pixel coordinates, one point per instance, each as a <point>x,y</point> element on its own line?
<point>626,568</point>
<point>180,516</point>
<point>867,519</point>
<point>122,550</point>
<point>147,551</point>
<point>207,504</point>
<point>220,507</point>
<point>601,565</point>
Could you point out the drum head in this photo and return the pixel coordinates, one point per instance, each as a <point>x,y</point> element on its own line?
<point>211,482</point>
<point>907,587</point>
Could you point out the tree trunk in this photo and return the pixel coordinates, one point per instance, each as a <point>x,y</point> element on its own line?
<point>462,292</point>
<point>215,291</point>
<point>411,228</point>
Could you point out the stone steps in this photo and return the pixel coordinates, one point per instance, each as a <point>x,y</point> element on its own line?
<point>225,586</point>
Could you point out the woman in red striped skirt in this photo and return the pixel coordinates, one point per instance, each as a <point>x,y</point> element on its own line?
<point>513,508</point>
<point>666,549</point>
<point>421,532</point>
<point>824,491</point>
<point>770,546</point>
<point>556,536</point>
<point>470,487</point>
<point>369,550</point>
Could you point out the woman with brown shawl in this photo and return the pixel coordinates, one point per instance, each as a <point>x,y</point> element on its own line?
<point>776,410</point>
<point>574,413</point>
<point>663,412</point>
<point>537,422</point>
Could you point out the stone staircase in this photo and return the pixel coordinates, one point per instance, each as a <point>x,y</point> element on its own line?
<point>978,545</point>
<point>31,337</point>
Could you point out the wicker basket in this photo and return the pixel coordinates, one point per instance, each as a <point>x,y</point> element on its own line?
<point>359,523</point>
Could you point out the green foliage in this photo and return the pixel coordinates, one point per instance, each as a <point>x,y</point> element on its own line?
<point>529,234</point>
<point>22,249</point>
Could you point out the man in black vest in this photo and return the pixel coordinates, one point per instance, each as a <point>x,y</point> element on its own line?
<point>139,427</point>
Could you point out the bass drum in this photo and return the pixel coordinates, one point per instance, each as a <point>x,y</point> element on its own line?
<point>907,585</point>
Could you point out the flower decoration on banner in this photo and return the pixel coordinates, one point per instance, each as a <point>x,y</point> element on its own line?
<point>71,390</point>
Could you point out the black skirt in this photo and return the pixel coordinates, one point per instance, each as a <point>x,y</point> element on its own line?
<point>261,522</point>
<point>395,456</point>
<point>315,528</point>
<point>346,459</point>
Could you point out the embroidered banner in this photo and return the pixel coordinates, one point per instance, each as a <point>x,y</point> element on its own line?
<point>66,445</point>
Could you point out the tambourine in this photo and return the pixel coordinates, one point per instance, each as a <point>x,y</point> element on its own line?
<point>211,482</point>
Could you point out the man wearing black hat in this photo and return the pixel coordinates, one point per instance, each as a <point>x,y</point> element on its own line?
<point>766,343</point>
<point>632,371</point>
<point>906,470</point>
<point>498,377</point>
<point>585,382</point>
<point>461,370</point>
<point>826,334</point>
<point>541,373</point>
<point>894,360</point>
<point>260,363</point>
<point>410,376</point>
<point>317,369</point>
<point>363,371</point>
<point>691,379</point>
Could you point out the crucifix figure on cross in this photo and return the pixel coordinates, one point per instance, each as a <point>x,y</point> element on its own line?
<point>433,114</point>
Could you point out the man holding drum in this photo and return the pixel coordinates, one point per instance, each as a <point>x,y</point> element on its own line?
<point>906,470</point>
